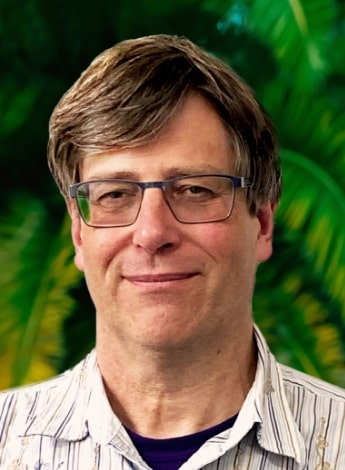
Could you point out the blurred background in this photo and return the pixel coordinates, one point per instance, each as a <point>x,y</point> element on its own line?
<point>292,53</point>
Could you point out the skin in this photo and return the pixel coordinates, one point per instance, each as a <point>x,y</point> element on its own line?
<point>173,300</point>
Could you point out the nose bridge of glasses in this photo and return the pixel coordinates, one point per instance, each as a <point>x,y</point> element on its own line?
<point>162,185</point>
<point>152,184</point>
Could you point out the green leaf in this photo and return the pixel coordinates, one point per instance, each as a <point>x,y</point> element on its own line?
<point>35,286</point>
<point>300,318</point>
<point>16,105</point>
<point>313,204</point>
<point>297,32</point>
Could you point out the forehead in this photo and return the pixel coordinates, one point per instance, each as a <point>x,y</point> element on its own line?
<point>196,140</point>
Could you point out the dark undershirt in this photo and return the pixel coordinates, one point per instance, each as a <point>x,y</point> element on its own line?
<point>170,454</point>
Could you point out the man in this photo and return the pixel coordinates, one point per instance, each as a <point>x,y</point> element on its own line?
<point>170,173</point>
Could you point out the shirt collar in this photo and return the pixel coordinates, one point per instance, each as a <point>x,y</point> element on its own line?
<point>80,407</point>
<point>277,430</point>
<point>265,413</point>
<point>59,408</point>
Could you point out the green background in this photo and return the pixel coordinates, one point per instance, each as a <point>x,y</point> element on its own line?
<point>292,53</point>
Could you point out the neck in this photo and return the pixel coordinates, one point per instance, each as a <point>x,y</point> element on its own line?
<point>159,393</point>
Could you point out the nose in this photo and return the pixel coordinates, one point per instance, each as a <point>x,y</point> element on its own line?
<point>156,228</point>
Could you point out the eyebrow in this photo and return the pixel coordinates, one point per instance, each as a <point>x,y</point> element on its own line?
<point>168,173</point>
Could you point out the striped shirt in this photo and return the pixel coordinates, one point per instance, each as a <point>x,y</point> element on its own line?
<point>289,420</point>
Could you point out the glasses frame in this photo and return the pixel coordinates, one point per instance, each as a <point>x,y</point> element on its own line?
<point>237,181</point>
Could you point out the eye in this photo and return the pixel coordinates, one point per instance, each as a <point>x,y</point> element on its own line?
<point>199,190</point>
<point>117,194</point>
<point>194,191</point>
<point>111,193</point>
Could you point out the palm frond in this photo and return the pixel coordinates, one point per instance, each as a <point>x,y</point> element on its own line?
<point>35,291</point>
<point>308,124</point>
<point>313,204</point>
<point>297,32</point>
<point>301,320</point>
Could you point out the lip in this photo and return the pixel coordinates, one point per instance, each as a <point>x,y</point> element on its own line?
<point>161,278</point>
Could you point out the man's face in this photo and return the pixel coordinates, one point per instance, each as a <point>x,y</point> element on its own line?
<point>160,283</point>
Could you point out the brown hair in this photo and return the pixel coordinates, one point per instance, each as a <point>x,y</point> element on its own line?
<point>132,90</point>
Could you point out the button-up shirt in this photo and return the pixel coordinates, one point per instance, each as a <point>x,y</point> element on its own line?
<point>288,420</point>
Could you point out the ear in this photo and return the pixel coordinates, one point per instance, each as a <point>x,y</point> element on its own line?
<point>265,216</point>
<point>76,230</point>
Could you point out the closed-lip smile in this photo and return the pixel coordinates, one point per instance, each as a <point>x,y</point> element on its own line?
<point>159,277</point>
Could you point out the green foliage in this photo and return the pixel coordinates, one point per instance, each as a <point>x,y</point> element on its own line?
<point>302,322</point>
<point>318,211</point>
<point>35,282</point>
<point>292,54</point>
<point>296,32</point>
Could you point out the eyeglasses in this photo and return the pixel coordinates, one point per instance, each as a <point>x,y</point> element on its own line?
<point>192,199</point>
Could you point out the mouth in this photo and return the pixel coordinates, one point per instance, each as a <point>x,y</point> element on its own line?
<point>159,278</point>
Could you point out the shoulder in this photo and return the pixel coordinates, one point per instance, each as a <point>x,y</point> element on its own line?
<point>317,407</point>
<point>290,381</point>
<point>315,388</point>
<point>300,415</point>
<point>18,405</point>
<point>20,408</point>
<point>26,393</point>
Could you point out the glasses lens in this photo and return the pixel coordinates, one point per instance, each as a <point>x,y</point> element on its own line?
<point>200,199</point>
<point>109,203</point>
<point>192,199</point>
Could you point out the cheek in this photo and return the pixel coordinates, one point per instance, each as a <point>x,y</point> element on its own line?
<point>98,249</point>
<point>93,259</point>
<point>235,250</point>
<point>228,239</point>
